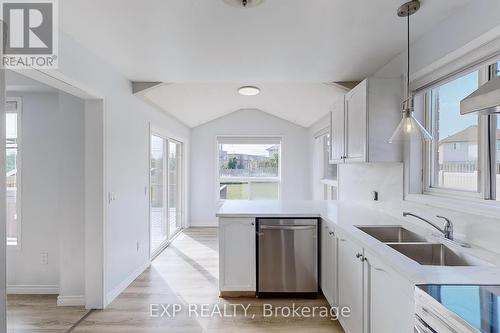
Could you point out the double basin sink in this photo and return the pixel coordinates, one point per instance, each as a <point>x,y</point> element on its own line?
<point>418,248</point>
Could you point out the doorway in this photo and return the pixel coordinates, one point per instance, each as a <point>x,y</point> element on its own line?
<point>165,191</point>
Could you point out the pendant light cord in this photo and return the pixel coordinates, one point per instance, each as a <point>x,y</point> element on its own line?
<point>408,70</point>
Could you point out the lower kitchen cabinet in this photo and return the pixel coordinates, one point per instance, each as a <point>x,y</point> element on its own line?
<point>237,254</point>
<point>350,283</point>
<point>329,263</point>
<point>390,298</point>
<point>380,300</point>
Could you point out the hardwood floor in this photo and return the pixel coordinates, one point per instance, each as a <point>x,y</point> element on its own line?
<point>187,273</point>
<point>40,314</point>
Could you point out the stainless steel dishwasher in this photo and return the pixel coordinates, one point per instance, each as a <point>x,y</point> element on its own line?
<point>287,257</point>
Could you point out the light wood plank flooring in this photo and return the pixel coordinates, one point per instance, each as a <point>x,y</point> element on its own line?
<point>187,273</point>
<point>40,314</point>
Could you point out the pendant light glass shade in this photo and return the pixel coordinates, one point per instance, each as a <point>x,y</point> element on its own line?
<point>409,129</point>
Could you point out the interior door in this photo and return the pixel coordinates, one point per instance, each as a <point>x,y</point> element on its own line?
<point>174,187</point>
<point>158,194</point>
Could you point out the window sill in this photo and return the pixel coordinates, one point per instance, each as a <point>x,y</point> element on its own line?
<point>480,207</point>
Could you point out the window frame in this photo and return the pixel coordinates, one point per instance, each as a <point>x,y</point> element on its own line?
<point>250,139</point>
<point>19,191</point>
<point>485,179</point>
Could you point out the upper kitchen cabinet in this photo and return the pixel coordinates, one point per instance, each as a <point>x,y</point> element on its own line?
<point>363,120</point>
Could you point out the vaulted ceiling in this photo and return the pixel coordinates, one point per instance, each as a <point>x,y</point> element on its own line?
<point>204,49</point>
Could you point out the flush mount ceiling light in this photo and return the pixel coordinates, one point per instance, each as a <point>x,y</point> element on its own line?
<point>243,3</point>
<point>409,128</point>
<point>248,91</point>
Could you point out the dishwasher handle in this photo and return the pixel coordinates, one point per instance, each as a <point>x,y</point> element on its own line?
<point>287,227</point>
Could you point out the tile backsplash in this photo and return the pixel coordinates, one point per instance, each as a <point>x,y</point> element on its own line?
<point>358,181</point>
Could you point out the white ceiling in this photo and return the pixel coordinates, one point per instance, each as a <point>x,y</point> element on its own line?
<point>197,42</point>
<point>195,104</point>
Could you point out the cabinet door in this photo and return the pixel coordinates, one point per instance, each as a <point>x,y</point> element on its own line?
<point>350,274</point>
<point>356,123</point>
<point>333,268</point>
<point>237,254</point>
<point>329,264</point>
<point>337,131</point>
<point>390,301</point>
<point>325,276</point>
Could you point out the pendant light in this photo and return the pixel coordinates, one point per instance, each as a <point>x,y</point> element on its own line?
<point>409,128</point>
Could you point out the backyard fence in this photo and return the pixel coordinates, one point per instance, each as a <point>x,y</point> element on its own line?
<point>250,172</point>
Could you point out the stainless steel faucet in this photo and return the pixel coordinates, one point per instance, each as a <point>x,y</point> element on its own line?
<point>447,230</point>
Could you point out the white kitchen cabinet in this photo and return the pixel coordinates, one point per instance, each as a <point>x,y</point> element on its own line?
<point>337,131</point>
<point>363,121</point>
<point>329,263</point>
<point>355,123</point>
<point>237,254</point>
<point>379,298</point>
<point>390,298</point>
<point>350,283</point>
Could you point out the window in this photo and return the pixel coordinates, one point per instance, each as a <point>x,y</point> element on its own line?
<point>453,155</point>
<point>460,159</point>
<point>329,170</point>
<point>13,174</point>
<point>497,164</point>
<point>249,168</point>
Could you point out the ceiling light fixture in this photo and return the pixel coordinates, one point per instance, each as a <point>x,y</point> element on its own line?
<point>243,3</point>
<point>409,128</point>
<point>248,91</point>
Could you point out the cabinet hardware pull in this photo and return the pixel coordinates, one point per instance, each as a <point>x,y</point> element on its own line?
<point>331,233</point>
<point>253,223</point>
<point>260,233</point>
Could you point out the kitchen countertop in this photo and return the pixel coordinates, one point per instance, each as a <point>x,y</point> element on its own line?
<point>345,216</point>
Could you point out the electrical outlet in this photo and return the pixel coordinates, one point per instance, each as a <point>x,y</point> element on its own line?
<point>44,258</point>
<point>111,197</point>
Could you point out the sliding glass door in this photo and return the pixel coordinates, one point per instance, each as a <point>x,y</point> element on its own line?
<point>165,191</point>
<point>174,188</point>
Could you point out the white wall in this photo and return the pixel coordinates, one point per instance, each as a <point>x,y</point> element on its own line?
<point>40,196</point>
<point>474,24</point>
<point>71,162</point>
<point>126,136</point>
<point>295,158</point>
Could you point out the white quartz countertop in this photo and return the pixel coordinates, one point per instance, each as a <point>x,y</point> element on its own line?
<point>344,217</point>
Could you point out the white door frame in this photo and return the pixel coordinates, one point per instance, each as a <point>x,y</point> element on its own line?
<point>95,191</point>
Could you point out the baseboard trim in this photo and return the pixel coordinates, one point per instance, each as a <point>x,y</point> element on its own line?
<point>125,283</point>
<point>70,300</point>
<point>26,289</point>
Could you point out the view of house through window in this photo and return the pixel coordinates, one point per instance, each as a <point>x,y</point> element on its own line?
<point>12,165</point>
<point>249,169</point>
<point>454,153</point>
